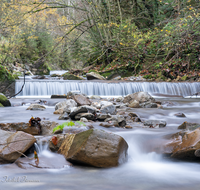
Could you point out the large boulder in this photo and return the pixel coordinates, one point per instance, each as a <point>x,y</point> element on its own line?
<point>184,145</point>
<point>95,148</point>
<point>81,100</point>
<point>4,101</point>
<point>22,126</point>
<point>12,145</point>
<point>144,98</point>
<point>94,76</point>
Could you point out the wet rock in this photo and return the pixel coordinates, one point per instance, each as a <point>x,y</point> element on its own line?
<point>134,104</point>
<point>55,144</point>
<point>189,126</point>
<point>94,76</point>
<point>117,120</point>
<point>155,123</point>
<point>102,117</point>
<point>75,129</point>
<point>180,115</point>
<point>96,105</point>
<point>111,109</point>
<point>68,76</point>
<point>58,96</point>
<point>105,103</point>
<point>197,153</point>
<point>107,125</point>
<point>71,94</point>
<point>81,100</point>
<point>66,105</point>
<point>64,116</point>
<point>88,116</point>
<point>82,109</point>
<point>21,126</point>
<point>168,104</point>
<point>185,145</point>
<point>83,119</point>
<point>128,127</point>
<point>4,101</point>
<point>59,111</point>
<point>134,117</point>
<point>141,97</point>
<point>95,97</point>
<point>48,126</point>
<point>119,99</point>
<point>96,148</point>
<point>36,107</point>
<point>149,105</point>
<point>13,144</point>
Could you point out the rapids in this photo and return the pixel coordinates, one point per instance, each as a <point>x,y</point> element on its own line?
<point>145,169</point>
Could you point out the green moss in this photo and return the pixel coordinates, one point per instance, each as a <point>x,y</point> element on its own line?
<point>184,78</point>
<point>68,76</point>
<point>4,101</point>
<point>1,105</point>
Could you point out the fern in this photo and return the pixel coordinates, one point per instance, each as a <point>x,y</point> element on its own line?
<point>80,123</point>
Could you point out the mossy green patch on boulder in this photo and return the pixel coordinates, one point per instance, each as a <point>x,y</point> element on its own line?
<point>4,101</point>
<point>68,76</point>
<point>184,78</point>
<point>1,105</point>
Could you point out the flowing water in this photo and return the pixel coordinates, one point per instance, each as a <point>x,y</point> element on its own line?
<point>144,170</point>
<point>106,88</point>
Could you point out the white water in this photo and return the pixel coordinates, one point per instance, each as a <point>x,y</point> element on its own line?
<point>49,87</point>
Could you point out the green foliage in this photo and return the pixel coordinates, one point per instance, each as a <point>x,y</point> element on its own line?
<point>69,124</point>
<point>5,75</point>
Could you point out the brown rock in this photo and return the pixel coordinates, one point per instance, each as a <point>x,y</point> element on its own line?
<point>25,127</point>
<point>81,100</point>
<point>134,104</point>
<point>189,126</point>
<point>183,145</point>
<point>48,126</point>
<point>96,148</point>
<point>54,147</point>
<point>17,143</point>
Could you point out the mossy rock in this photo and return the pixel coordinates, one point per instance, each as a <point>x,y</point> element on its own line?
<point>68,76</point>
<point>4,101</point>
<point>1,105</point>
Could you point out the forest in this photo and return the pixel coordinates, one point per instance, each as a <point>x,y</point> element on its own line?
<point>158,39</point>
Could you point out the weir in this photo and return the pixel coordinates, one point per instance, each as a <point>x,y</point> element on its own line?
<point>104,88</point>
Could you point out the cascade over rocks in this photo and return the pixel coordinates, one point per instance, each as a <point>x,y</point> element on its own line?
<point>13,143</point>
<point>95,148</point>
<point>94,76</point>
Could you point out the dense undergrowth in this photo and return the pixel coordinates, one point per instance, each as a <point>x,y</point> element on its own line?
<point>158,39</point>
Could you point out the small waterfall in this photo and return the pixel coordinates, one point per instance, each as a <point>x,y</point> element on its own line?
<point>41,145</point>
<point>104,88</point>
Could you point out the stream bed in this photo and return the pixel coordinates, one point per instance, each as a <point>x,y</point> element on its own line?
<point>145,169</point>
